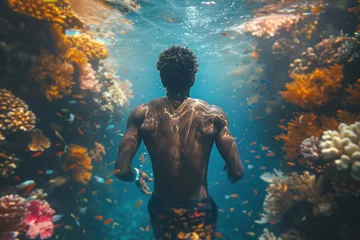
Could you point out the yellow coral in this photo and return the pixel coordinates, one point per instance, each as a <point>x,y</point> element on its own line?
<point>78,162</point>
<point>354,91</point>
<point>60,74</point>
<point>314,89</point>
<point>58,11</point>
<point>93,49</point>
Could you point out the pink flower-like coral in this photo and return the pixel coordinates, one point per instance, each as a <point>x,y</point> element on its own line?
<point>309,148</point>
<point>88,80</point>
<point>39,220</point>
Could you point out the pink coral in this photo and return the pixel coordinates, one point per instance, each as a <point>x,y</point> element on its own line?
<point>39,220</point>
<point>88,80</point>
<point>309,148</point>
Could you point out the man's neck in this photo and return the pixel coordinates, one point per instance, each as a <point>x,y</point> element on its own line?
<point>177,96</point>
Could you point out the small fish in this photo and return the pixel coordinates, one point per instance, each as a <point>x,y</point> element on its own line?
<point>71,101</point>
<point>115,171</point>
<point>80,131</point>
<point>107,221</point>
<point>64,110</point>
<point>29,189</point>
<point>81,191</point>
<point>59,136</point>
<point>255,191</point>
<point>255,55</point>
<point>68,227</point>
<point>85,200</point>
<point>138,203</point>
<point>99,217</point>
<point>40,172</point>
<point>57,218</point>
<point>227,197</point>
<point>25,184</point>
<point>59,114</point>
<point>37,154</point>
<point>18,178</point>
<point>142,229</point>
<point>220,210</point>
<point>99,179</point>
<point>108,200</point>
<point>111,163</point>
<point>71,118</point>
<point>300,118</point>
<point>109,128</point>
<point>224,34</point>
<point>250,166</point>
<point>285,188</point>
<point>270,154</point>
<point>142,158</point>
<point>108,181</point>
<point>245,202</point>
<point>252,151</point>
<point>49,171</point>
<point>253,143</point>
<point>147,228</point>
<point>250,234</point>
<point>59,154</point>
<point>234,195</point>
<point>258,156</point>
<point>72,166</point>
<point>290,164</point>
<point>232,209</point>
<point>272,222</point>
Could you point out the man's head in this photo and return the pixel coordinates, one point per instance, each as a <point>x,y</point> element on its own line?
<point>177,66</point>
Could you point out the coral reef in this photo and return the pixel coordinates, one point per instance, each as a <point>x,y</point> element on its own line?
<point>13,210</point>
<point>39,220</point>
<point>284,192</point>
<point>54,75</point>
<point>268,26</point>
<point>38,141</point>
<point>354,93</point>
<point>98,152</point>
<point>8,164</point>
<point>283,46</point>
<point>343,147</point>
<point>88,80</point>
<point>38,194</point>
<point>78,163</point>
<point>309,148</point>
<point>305,63</point>
<point>314,89</point>
<point>334,50</point>
<point>93,49</point>
<point>267,235</point>
<point>14,114</point>
<point>58,12</point>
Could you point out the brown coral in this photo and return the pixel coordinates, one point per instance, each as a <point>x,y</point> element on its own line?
<point>14,114</point>
<point>8,164</point>
<point>13,209</point>
<point>58,11</point>
<point>354,93</point>
<point>314,89</point>
<point>93,49</point>
<point>38,141</point>
<point>78,163</point>
<point>54,75</point>
<point>98,152</point>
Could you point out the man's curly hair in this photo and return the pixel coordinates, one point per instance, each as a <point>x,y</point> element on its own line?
<point>177,66</point>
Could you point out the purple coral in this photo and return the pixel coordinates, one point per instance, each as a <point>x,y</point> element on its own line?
<point>88,80</point>
<point>309,148</point>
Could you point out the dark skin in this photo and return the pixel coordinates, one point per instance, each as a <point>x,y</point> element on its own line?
<point>179,133</point>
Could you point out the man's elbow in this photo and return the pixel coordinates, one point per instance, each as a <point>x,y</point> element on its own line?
<point>235,177</point>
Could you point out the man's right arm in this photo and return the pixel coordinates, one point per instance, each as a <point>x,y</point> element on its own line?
<point>227,147</point>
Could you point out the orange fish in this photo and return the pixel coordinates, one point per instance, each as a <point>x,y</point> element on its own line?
<point>17,178</point>
<point>58,144</point>
<point>115,171</point>
<point>282,127</point>
<point>59,154</point>
<point>201,204</point>
<point>234,195</point>
<point>247,161</point>
<point>252,151</point>
<point>59,114</point>
<point>72,166</point>
<point>40,172</point>
<point>81,132</point>
<point>29,188</point>
<point>82,102</point>
<point>107,221</point>
<point>78,96</point>
<point>108,181</point>
<point>249,214</point>
<point>290,164</point>
<point>81,191</point>
<point>147,228</point>
<point>257,156</point>
<point>142,158</point>
<point>282,120</point>
<point>218,234</point>
<point>277,138</point>
<point>317,9</point>
<point>99,217</point>
<point>224,34</point>
<point>37,154</point>
<point>253,143</point>
<point>255,191</point>
<point>255,55</point>
<point>265,148</point>
<point>138,203</point>
<point>262,168</point>
<point>270,154</point>
<point>285,188</point>
<point>272,222</point>
<point>57,225</point>
<point>232,209</point>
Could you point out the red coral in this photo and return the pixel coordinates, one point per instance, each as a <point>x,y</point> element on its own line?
<point>39,220</point>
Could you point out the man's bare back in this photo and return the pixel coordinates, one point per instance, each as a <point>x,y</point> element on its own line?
<point>179,135</point>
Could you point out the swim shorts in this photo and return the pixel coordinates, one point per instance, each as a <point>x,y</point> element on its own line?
<point>191,219</point>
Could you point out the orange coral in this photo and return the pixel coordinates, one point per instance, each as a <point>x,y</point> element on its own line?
<point>97,153</point>
<point>314,89</point>
<point>347,117</point>
<point>60,74</point>
<point>354,91</point>
<point>58,11</point>
<point>93,49</point>
<point>78,162</point>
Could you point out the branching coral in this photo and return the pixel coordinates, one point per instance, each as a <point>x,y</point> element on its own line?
<point>13,210</point>
<point>14,114</point>
<point>343,147</point>
<point>39,142</point>
<point>88,80</point>
<point>54,75</point>
<point>93,49</point>
<point>268,26</point>
<point>98,152</point>
<point>8,164</point>
<point>314,89</point>
<point>118,94</point>
<point>267,235</point>
<point>354,93</point>
<point>284,192</point>
<point>305,63</point>
<point>39,220</point>
<point>56,11</point>
<point>78,163</point>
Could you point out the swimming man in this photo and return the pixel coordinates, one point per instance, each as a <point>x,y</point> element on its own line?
<point>179,133</point>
